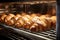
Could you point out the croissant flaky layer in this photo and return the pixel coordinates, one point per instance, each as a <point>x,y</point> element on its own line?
<point>32,22</point>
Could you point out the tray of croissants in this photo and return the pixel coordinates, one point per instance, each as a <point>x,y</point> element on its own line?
<point>32,22</point>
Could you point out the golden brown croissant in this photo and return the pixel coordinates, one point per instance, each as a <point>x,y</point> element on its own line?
<point>53,19</point>
<point>27,21</point>
<point>8,20</point>
<point>19,23</point>
<point>46,21</point>
<point>34,27</point>
<point>2,17</point>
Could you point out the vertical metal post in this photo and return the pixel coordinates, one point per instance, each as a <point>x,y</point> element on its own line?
<point>58,20</point>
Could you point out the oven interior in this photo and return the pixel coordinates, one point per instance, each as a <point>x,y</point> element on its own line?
<point>28,8</point>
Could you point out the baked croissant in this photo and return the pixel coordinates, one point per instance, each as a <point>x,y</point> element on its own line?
<point>8,19</point>
<point>2,17</point>
<point>53,19</point>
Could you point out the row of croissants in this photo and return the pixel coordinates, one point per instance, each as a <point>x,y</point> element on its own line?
<point>32,22</point>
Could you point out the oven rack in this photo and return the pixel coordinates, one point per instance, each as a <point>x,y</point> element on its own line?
<point>47,35</point>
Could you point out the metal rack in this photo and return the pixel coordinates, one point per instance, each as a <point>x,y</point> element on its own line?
<point>33,2</point>
<point>47,35</point>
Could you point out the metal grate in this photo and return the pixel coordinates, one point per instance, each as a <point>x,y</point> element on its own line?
<point>51,34</point>
<point>15,37</point>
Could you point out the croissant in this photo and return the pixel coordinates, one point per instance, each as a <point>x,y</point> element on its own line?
<point>8,19</point>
